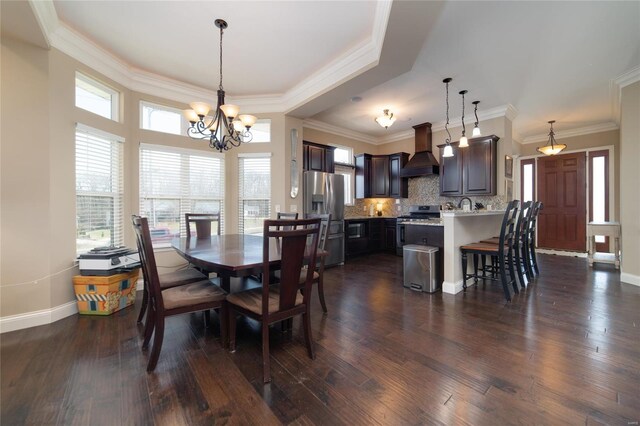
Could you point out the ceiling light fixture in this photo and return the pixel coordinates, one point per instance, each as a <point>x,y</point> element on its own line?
<point>386,120</point>
<point>463,140</point>
<point>476,129</point>
<point>448,150</point>
<point>551,148</point>
<point>226,128</point>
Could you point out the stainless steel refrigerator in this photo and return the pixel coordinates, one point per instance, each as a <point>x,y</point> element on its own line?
<point>324,193</point>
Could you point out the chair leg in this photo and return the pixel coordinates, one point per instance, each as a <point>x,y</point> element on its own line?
<point>143,306</point>
<point>207,318</point>
<point>526,260</point>
<point>534,259</point>
<point>157,345</point>
<point>266,367</point>
<point>224,326</point>
<point>464,270</point>
<point>503,277</point>
<point>231,321</point>
<point>484,266</point>
<point>307,335</point>
<point>512,272</point>
<point>148,328</point>
<point>475,268</point>
<point>519,265</point>
<point>321,294</point>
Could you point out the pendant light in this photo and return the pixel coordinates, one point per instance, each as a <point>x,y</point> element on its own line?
<point>476,129</point>
<point>463,140</point>
<point>551,148</point>
<point>386,119</point>
<point>448,150</point>
<point>225,128</point>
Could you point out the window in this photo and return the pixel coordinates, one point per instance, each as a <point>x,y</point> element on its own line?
<point>261,131</point>
<point>96,97</point>
<point>161,118</point>
<point>99,214</point>
<point>599,193</point>
<point>343,155</point>
<point>349,176</point>
<point>175,181</point>
<point>527,179</point>
<point>255,192</point>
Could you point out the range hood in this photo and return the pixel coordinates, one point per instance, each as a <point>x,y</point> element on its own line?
<point>423,163</point>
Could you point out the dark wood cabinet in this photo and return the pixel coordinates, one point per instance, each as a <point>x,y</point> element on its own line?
<point>373,234</point>
<point>389,235</point>
<point>378,176</point>
<point>376,234</point>
<point>318,158</point>
<point>398,186</point>
<point>471,170</point>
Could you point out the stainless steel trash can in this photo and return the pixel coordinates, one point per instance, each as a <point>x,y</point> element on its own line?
<point>420,268</point>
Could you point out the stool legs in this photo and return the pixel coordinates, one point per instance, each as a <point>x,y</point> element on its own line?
<point>464,270</point>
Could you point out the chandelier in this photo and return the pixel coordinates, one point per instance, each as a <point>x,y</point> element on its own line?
<point>448,150</point>
<point>551,148</point>
<point>386,119</point>
<point>225,129</point>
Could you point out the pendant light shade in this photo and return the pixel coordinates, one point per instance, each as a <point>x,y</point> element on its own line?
<point>476,129</point>
<point>386,119</point>
<point>551,148</point>
<point>448,150</point>
<point>463,140</point>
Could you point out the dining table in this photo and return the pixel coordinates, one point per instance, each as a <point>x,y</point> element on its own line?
<point>230,255</point>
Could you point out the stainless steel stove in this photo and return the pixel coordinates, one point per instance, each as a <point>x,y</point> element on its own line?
<point>424,213</point>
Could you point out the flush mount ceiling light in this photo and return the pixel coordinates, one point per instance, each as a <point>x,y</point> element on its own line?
<point>551,148</point>
<point>463,140</point>
<point>226,128</point>
<point>448,150</point>
<point>386,119</point>
<point>476,129</point>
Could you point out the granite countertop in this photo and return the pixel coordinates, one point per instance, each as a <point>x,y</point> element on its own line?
<point>368,217</point>
<point>461,213</point>
<point>437,222</point>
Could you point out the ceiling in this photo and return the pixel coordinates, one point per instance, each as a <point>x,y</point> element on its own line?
<point>550,60</point>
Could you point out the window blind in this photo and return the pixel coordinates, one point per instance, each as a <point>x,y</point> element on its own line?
<point>176,181</point>
<point>255,193</point>
<point>99,190</point>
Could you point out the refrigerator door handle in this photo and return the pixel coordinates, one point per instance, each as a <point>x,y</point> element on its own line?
<point>329,207</point>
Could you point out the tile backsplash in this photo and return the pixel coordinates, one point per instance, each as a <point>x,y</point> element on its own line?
<point>422,190</point>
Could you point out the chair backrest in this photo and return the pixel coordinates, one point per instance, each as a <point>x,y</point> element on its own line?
<point>202,223</point>
<point>286,215</point>
<point>325,221</point>
<point>148,260</point>
<point>522,227</point>
<point>531,230</point>
<point>507,230</point>
<point>297,241</point>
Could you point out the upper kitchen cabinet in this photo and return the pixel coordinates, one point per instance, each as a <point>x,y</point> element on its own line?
<point>318,158</point>
<point>378,176</point>
<point>471,170</point>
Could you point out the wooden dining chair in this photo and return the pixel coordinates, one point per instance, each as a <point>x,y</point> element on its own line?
<point>274,303</point>
<point>318,274</point>
<point>194,297</point>
<point>503,252</point>
<point>202,224</point>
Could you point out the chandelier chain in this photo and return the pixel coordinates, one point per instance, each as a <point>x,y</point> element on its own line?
<point>463,128</point>
<point>446,126</point>
<point>220,85</point>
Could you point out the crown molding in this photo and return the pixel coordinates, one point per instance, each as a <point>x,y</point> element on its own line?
<point>508,111</point>
<point>357,60</point>
<point>46,16</point>
<point>395,137</point>
<point>596,128</point>
<point>339,131</point>
<point>627,78</point>
<point>615,90</point>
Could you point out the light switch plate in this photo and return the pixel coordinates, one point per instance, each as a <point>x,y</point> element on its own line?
<point>277,208</point>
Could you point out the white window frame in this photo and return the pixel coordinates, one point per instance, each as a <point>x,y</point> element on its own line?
<point>241,158</point>
<point>183,122</point>
<point>115,95</point>
<point>264,120</point>
<point>117,178</point>
<point>184,198</point>
<point>350,151</point>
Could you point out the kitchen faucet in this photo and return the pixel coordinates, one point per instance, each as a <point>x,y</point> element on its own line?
<point>468,199</point>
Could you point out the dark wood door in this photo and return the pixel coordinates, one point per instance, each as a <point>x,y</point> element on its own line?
<point>363,176</point>
<point>480,167</point>
<point>451,172</point>
<point>316,158</point>
<point>380,176</point>
<point>562,190</point>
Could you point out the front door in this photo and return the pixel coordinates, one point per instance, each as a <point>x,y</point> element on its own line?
<point>562,190</point>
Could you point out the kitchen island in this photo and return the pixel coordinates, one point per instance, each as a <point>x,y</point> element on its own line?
<point>462,228</point>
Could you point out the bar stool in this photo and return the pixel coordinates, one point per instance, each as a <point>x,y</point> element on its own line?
<point>530,248</point>
<point>503,251</point>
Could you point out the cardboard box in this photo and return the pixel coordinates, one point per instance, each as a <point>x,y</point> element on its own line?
<point>105,295</point>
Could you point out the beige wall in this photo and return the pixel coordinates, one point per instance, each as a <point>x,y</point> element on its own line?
<point>324,138</point>
<point>37,222</point>
<point>630,177</point>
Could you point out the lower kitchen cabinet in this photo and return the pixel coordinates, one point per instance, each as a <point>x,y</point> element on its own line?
<point>390,235</point>
<point>370,235</point>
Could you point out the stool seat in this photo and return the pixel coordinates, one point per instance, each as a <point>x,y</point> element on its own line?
<point>482,246</point>
<point>493,240</point>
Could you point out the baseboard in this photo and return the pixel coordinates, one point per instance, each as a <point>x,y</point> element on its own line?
<point>562,253</point>
<point>630,278</point>
<point>451,288</point>
<point>36,318</point>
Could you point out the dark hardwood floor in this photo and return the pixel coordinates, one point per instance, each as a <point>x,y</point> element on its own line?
<point>565,351</point>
